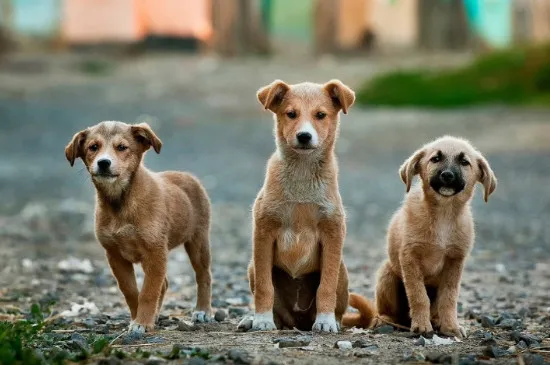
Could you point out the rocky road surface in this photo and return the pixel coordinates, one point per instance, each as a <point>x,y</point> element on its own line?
<point>205,112</point>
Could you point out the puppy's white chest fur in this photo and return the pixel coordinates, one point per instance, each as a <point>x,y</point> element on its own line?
<point>444,231</point>
<point>297,245</point>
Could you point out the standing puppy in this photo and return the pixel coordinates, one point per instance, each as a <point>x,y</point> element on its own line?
<point>297,275</point>
<point>431,235</point>
<point>141,215</point>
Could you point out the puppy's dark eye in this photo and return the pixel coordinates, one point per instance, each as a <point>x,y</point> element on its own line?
<point>435,159</point>
<point>93,147</point>
<point>291,114</point>
<point>121,147</point>
<point>320,115</point>
<point>464,162</point>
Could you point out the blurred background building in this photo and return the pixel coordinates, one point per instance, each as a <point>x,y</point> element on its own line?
<point>234,27</point>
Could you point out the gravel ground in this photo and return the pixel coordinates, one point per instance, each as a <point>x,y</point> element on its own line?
<point>206,114</point>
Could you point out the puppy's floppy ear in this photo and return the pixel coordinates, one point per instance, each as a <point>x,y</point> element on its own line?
<point>145,135</point>
<point>75,148</point>
<point>486,177</point>
<point>342,96</point>
<point>410,168</point>
<point>272,95</point>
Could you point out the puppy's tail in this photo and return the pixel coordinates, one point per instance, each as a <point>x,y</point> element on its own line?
<point>366,314</point>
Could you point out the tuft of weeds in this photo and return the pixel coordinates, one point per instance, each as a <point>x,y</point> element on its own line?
<point>30,341</point>
<point>17,338</point>
<point>515,76</point>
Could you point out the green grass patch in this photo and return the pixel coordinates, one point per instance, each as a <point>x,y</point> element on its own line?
<point>516,76</point>
<point>32,341</point>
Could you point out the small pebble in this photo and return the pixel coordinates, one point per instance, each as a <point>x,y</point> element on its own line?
<point>297,341</point>
<point>185,327</point>
<point>131,338</point>
<point>220,315</point>
<point>344,345</point>
<point>487,321</point>
<point>509,324</point>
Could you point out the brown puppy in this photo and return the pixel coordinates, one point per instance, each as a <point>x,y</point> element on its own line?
<point>141,215</point>
<point>431,235</point>
<point>297,275</point>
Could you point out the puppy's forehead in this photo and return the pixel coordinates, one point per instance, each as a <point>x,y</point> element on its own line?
<point>308,91</point>
<point>109,129</point>
<point>452,146</point>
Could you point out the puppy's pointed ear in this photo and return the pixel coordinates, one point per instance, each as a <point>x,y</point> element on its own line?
<point>145,136</point>
<point>342,96</point>
<point>272,95</point>
<point>75,148</point>
<point>410,168</point>
<point>486,177</point>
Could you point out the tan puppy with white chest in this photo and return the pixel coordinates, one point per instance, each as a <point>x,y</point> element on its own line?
<point>430,237</point>
<point>141,215</point>
<point>297,275</point>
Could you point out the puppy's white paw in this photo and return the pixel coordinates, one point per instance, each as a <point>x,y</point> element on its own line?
<point>200,317</point>
<point>136,328</point>
<point>325,322</point>
<point>263,322</point>
<point>246,323</point>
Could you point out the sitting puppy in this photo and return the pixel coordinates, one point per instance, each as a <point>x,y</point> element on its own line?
<point>430,236</point>
<point>141,215</point>
<point>297,275</point>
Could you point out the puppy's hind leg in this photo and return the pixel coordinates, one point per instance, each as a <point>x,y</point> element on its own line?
<point>245,323</point>
<point>387,296</point>
<point>162,293</point>
<point>198,250</point>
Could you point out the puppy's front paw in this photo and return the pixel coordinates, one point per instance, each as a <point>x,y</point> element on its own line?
<point>453,330</point>
<point>421,326</point>
<point>139,329</point>
<point>201,317</point>
<point>263,322</point>
<point>325,322</point>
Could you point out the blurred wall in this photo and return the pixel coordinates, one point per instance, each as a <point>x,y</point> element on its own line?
<point>86,21</point>
<point>395,23</point>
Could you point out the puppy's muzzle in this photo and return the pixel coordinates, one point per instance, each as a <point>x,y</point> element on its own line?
<point>103,168</point>
<point>447,182</point>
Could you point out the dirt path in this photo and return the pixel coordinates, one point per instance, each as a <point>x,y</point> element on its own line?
<point>206,115</point>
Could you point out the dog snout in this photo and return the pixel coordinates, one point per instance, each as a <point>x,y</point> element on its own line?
<point>104,164</point>
<point>447,176</point>
<point>304,137</point>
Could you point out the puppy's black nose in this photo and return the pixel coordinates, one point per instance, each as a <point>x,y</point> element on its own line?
<point>103,164</point>
<point>303,137</point>
<point>447,176</point>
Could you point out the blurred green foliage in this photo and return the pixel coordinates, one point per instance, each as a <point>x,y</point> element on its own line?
<point>514,76</point>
